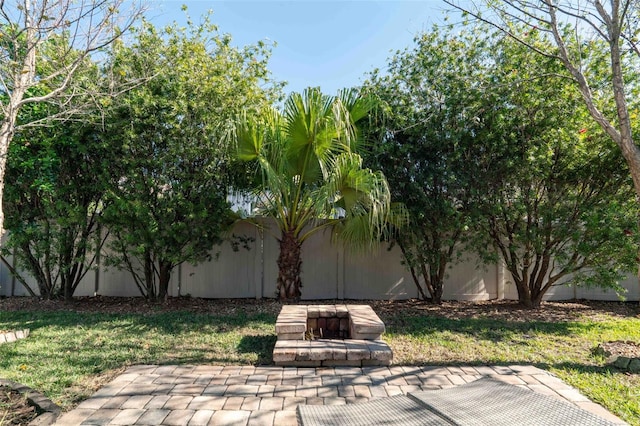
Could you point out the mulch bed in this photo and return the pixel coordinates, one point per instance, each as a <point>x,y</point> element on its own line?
<point>621,348</point>
<point>505,310</point>
<point>14,408</point>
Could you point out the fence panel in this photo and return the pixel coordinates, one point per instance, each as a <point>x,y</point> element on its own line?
<point>377,276</point>
<point>469,280</point>
<point>230,274</point>
<point>328,272</point>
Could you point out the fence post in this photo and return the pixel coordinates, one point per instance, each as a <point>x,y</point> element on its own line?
<point>13,277</point>
<point>96,284</point>
<point>500,279</point>
<point>258,263</point>
<point>179,279</point>
<point>340,260</point>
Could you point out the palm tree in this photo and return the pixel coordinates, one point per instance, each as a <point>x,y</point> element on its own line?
<point>312,177</point>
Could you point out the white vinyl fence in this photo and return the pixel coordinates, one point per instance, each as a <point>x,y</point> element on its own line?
<point>329,272</point>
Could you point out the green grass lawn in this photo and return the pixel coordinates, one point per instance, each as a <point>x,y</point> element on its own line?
<point>565,349</point>
<point>69,354</point>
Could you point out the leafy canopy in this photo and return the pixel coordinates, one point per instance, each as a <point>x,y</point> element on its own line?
<point>171,203</point>
<point>311,173</point>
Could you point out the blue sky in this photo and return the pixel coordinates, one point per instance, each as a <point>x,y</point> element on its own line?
<point>331,44</point>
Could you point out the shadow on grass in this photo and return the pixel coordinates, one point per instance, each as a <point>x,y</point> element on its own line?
<point>262,345</point>
<point>169,322</point>
<point>585,368</point>
<point>85,343</point>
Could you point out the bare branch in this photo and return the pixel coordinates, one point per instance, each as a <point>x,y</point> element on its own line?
<point>47,43</point>
<point>588,18</point>
<point>17,275</point>
<point>502,28</point>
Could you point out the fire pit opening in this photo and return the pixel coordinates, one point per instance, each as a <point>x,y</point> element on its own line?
<point>327,328</point>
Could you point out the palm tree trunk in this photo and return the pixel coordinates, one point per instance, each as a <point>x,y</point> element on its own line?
<point>289,267</point>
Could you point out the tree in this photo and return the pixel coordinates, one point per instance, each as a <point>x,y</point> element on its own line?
<point>311,176</point>
<point>44,44</point>
<point>479,134</point>
<point>555,201</point>
<point>422,137</point>
<point>583,33</point>
<point>55,183</point>
<point>170,205</point>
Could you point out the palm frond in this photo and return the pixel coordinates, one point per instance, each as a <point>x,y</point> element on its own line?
<point>311,178</point>
<point>358,105</point>
<point>249,137</point>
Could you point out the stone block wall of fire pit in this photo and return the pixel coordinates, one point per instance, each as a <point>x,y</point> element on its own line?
<point>330,335</point>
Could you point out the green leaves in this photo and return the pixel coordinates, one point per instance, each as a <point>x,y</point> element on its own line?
<point>551,186</point>
<point>171,203</point>
<point>476,132</point>
<point>422,138</point>
<point>249,139</point>
<point>311,176</point>
<point>55,183</point>
<point>305,155</point>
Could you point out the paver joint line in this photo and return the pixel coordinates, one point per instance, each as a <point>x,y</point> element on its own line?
<point>247,400</point>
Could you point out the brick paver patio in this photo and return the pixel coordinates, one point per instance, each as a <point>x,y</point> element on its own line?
<point>235,395</point>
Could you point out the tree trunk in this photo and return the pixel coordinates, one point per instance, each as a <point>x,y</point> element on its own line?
<point>165,276</point>
<point>524,295</point>
<point>412,269</point>
<point>528,295</point>
<point>437,277</point>
<point>149,277</point>
<point>524,292</point>
<point>529,302</point>
<point>289,267</point>
<point>536,301</point>
<point>65,269</point>
<point>20,84</point>
<point>536,292</point>
<point>6,134</point>
<point>17,276</point>
<point>67,288</point>
<point>438,289</point>
<point>433,282</point>
<point>416,281</point>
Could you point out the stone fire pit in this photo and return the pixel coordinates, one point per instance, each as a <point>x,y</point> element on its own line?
<point>330,335</point>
